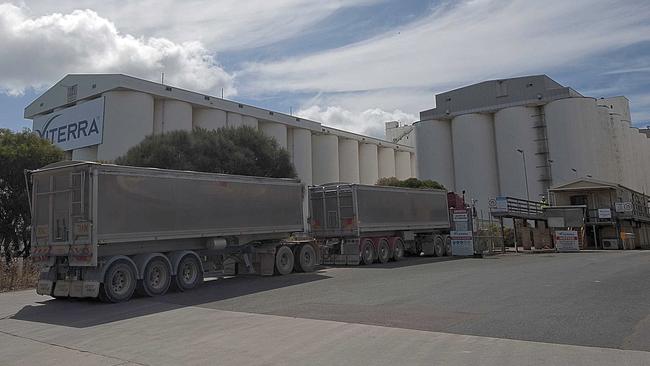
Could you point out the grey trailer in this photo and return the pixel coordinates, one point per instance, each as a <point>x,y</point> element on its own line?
<point>360,223</point>
<point>107,230</point>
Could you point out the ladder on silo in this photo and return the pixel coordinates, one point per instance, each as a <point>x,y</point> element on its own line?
<point>543,164</point>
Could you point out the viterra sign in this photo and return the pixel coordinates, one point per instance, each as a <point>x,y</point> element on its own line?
<point>74,127</point>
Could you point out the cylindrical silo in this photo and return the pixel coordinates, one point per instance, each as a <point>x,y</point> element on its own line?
<point>606,153</point>
<point>475,161</point>
<point>235,119</point>
<point>277,131</point>
<point>250,122</point>
<point>128,119</point>
<point>434,152</point>
<point>639,161</point>
<point>209,118</point>
<point>368,163</point>
<point>414,165</point>
<point>386,157</point>
<point>570,141</point>
<point>325,159</point>
<point>348,160</point>
<point>301,156</point>
<point>515,129</point>
<point>176,115</point>
<point>403,165</point>
<point>88,153</point>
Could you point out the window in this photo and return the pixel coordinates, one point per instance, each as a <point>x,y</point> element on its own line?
<point>502,89</point>
<point>72,93</point>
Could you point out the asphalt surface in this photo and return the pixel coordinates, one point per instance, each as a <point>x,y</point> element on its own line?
<point>580,308</point>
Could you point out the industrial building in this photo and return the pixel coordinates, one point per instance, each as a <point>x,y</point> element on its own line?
<point>98,117</point>
<point>518,137</point>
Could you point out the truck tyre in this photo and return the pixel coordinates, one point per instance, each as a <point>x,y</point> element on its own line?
<point>119,282</point>
<point>439,246</point>
<point>383,251</point>
<point>367,252</point>
<point>156,278</point>
<point>284,260</point>
<point>398,251</point>
<point>189,274</point>
<point>447,245</point>
<point>306,258</point>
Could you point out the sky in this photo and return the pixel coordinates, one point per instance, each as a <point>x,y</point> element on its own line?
<point>351,64</point>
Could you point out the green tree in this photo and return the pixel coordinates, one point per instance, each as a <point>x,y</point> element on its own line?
<point>242,150</point>
<point>410,183</point>
<point>19,151</point>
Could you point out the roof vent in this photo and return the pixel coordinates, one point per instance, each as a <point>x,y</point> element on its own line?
<point>241,106</point>
<point>72,93</point>
<point>271,112</point>
<point>206,97</point>
<point>168,88</point>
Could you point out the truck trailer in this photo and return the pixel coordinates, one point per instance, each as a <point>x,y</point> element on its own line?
<point>356,223</point>
<point>107,231</point>
<point>101,230</point>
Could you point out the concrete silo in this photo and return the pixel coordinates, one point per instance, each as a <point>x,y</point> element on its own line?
<point>235,119</point>
<point>172,115</point>
<point>128,119</point>
<point>208,118</point>
<point>475,162</point>
<point>386,157</point>
<point>606,146</point>
<point>414,165</point>
<point>516,128</point>
<point>250,121</point>
<point>434,152</point>
<point>276,131</point>
<point>368,163</point>
<point>325,158</point>
<point>403,165</point>
<point>570,148</point>
<point>348,160</point>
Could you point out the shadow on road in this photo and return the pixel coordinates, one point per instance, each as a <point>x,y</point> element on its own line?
<point>408,262</point>
<point>81,313</point>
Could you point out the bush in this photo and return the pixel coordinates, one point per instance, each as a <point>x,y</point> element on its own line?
<point>17,274</point>
<point>242,150</point>
<point>19,151</point>
<point>410,183</point>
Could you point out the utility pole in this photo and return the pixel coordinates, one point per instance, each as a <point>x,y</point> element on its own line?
<point>523,156</point>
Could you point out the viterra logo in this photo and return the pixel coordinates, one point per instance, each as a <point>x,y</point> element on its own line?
<point>71,131</point>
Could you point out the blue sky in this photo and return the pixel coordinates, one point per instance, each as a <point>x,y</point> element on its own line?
<point>351,64</point>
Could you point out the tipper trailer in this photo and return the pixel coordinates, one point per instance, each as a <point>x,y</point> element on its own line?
<point>102,230</point>
<point>355,223</point>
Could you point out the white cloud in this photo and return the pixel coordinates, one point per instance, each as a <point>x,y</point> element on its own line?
<point>36,51</point>
<point>369,121</point>
<point>464,43</point>
<point>220,25</point>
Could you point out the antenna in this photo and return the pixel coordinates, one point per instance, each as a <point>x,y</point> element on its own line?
<point>290,110</point>
<point>221,93</point>
<point>162,77</point>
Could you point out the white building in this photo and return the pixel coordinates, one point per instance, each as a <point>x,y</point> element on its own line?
<point>100,116</point>
<point>479,137</point>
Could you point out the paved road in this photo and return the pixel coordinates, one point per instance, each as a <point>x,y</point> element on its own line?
<point>573,309</point>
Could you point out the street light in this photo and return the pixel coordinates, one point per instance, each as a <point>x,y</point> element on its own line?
<point>575,171</point>
<point>523,156</point>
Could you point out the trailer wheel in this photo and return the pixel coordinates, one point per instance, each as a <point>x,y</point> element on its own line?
<point>398,252</point>
<point>119,282</point>
<point>367,252</point>
<point>306,258</point>
<point>439,246</point>
<point>447,245</point>
<point>188,274</point>
<point>284,260</point>
<point>384,251</point>
<point>156,278</point>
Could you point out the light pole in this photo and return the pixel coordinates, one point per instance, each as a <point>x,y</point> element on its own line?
<point>523,156</point>
<point>575,171</point>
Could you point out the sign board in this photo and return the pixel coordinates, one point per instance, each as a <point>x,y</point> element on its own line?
<point>460,216</point>
<point>499,204</point>
<point>604,213</point>
<point>556,222</point>
<point>462,243</point>
<point>74,127</point>
<point>566,241</point>
<point>624,207</point>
